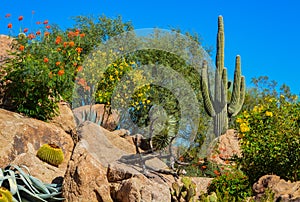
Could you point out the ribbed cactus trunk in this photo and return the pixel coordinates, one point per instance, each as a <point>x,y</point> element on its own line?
<point>217,105</point>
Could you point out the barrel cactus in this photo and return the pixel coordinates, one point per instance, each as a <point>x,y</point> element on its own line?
<point>218,105</point>
<point>51,154</point>
<point>5,195</point>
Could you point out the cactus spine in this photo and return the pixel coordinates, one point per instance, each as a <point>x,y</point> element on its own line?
<point>217,105</point>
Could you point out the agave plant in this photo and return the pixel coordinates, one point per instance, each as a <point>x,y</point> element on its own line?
<point>90,115</point>
<point>24,187</point>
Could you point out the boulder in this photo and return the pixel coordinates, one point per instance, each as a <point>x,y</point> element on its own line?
<point>110,121</point>
<point>99,152</point>
<point>65,119</point>
<point>5,46</point>
<point>85,179</point>
<point>283,190</point>
<point>227,146</point>
<point>21,137</point>
<point>140,188</point>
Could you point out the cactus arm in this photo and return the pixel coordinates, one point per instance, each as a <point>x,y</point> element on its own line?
<point>224,87</point>
<point>238,93</point>
<point>205,91</point>
<point>220,46</point>
<point>242,96</point>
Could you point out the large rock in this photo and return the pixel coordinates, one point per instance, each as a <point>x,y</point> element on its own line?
<point>21,137</point>
<point>5,46</point>
<point>98,154</point>
<point>140,188</point>
<point>65,119</point>
<point>283,190</point>
<point>110,121</point>
<point>85,179</point>
<point>226,147</point>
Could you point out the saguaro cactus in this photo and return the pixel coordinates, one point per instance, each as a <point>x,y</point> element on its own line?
<point>217,105</point>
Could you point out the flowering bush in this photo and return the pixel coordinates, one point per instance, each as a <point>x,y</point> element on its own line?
<point>231,186</point>
<point>46,63</point>
<point>42,69</point>
<point>270,139</point>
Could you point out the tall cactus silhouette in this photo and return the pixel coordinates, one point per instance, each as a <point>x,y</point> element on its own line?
<point>217,105</point>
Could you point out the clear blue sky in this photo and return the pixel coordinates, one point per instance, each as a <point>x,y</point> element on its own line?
<point>266,33</point>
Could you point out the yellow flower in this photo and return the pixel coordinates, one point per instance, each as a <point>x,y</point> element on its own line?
<point>111,78</point>
<point>244,128</point>
<point>270,114</point>
<point>116,72</point>
<point>148,101</point>
<point>258,108</point>
<point>282,96</point>
<point>239,120</point>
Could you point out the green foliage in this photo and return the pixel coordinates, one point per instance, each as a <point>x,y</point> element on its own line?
<point>51,154</point>
<point>41,71</point>
<point>270,139</point>
<point>25,187</point>
<point>43,66</point>
<point>231,186</point>
<point>201,167</point>
<point>217,105</point>
<point>186,190</point>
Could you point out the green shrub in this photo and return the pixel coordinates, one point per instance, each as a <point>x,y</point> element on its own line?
<point>42,70</point>
<point>270,139</point>
<point>231,186</point>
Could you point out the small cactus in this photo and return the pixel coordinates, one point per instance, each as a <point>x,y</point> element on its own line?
<point>185,192</point>
<point>51,154</point>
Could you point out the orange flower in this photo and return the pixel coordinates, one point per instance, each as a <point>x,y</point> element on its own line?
<point>20,18</point>
<point>58,40</point>
<point>38,22</point>
<point>82,35</point>
<point>48,27</point>
<point>46,33</point>
<point>46,60</point>
<point>58,49</point>
<point>71,43</point>
<point>217,172</point>
<point>38,32</point>
<point>203,167</point>
<point>31,36</point>
<point>75,64</point>
<point>50,75</point>
<point>45,22</point>
<point>57,63</point>
<point>81,82</point>
<point>21,48</point>
<point>87,88</point>
<point>9,26</point>
<point>181,158</point>
<point>7,15</point>
<point>79,50</point>
<point>61,72</point>
<point>79,68</point>
<point>25,30</point>
<point>66,44</point>
<point>227,161</point>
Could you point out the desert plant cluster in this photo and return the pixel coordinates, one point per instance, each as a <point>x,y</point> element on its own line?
<point>47,62</point>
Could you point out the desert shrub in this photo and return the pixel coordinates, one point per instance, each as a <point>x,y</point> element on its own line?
<point>270,139</point>
<point>46,61</point>
<point>231,186</point>
<point>42,70</point>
